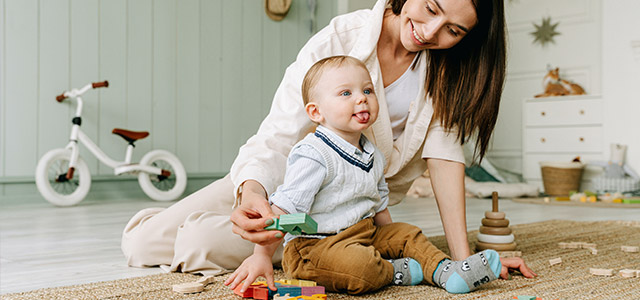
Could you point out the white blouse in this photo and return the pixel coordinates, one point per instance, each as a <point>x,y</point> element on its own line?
<point>399,95</point>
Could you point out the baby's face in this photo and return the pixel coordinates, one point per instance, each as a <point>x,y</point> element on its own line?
<point>346,99</point>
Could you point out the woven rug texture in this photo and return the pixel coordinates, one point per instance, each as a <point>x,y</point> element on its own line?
<point>537,241</point>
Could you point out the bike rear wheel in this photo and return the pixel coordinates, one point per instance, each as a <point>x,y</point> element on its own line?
<point>159,187</point>
<point>51,173</point>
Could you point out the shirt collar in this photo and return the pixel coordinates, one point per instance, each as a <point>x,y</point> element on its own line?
<point>343,147</point>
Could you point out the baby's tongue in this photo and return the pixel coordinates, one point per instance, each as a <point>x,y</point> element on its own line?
<point>362,117</point>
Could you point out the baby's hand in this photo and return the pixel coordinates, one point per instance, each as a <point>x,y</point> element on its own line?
<point>252,267</point>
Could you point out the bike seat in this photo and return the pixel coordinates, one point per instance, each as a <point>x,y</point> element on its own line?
<point>130,136</point>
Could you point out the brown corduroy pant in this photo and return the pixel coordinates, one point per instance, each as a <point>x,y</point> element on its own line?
<point>354,261</point>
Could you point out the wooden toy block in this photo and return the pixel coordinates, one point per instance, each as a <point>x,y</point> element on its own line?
<point>506,254</point>
<point>188,287</point>
<point>571,245</point>
<point>575,245</point>
<point>275,225</point>
<point>495,223</point>
<point>594,251</point>
<point>261,292</point>
<point>628,273</point>
<point>495,230</point>
<point>526,298</point>
<point>555,261</point>
<point>495,239</point>
<point>294,291</point>
<point>314,297</point>
<point>248,293</point>
<point>312,290</point>
<point>298,223</point>
<point>290,281</point>
<point>307,283</point>
<point>278,297</point>
<point>630,249</point>
<point>496,215</point>
<point>601,272</point>
<point>498,247</point>
<point>298,282</point>
<point>206,280</point>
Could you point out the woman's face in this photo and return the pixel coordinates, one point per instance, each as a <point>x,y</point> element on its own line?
<point>435,24</point>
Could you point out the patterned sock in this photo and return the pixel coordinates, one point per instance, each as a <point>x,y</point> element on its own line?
<point>466,275</point>
<point>406,271</point>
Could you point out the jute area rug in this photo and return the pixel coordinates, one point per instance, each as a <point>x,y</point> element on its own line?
<point>537,241</point>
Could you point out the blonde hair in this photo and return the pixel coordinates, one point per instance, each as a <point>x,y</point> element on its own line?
<point>313,75</point>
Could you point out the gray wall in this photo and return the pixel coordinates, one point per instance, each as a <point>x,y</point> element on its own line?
<point>198,74</point>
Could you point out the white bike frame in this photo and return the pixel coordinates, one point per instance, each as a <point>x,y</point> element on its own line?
<point>77,135</point>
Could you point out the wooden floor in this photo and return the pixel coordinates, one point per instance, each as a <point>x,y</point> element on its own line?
<point>44,246</point>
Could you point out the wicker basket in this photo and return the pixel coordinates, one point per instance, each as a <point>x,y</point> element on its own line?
<point>559,178</point>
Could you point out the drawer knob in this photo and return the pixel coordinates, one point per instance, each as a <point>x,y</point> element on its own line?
<point>581,139</point>
<point>543,140</point>
<point>582,111</point>
<point>543,113</point>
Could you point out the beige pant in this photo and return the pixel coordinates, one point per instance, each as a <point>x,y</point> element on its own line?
<point>194,235</point>
<point>354,260</point>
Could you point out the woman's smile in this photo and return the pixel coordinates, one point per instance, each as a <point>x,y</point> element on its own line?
<point>420,41</point>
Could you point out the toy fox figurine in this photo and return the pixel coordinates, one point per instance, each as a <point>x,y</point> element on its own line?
<point>555,86</point>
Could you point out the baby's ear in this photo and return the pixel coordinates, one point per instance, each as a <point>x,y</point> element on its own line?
<point>313,111</point>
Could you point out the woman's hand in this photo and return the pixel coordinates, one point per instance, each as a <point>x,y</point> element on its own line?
<point>515,263</point>
<point>253,214</point>
<point>258,264</point>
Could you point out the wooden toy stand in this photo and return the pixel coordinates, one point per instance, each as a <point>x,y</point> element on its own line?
<point>495,232</point>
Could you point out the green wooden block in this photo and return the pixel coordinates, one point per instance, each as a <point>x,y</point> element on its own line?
<point>275,225</point>
<point>298,223</point>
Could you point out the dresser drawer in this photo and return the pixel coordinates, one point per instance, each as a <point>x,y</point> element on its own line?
<point>563,112</point>
<point>564,139</point>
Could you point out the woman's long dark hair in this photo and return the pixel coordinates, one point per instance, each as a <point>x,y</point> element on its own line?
<point>466,81</point>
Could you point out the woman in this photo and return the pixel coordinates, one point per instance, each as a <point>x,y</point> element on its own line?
<point>451,50</point>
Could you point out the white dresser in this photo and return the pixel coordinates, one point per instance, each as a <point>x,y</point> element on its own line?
<point>559,129</point>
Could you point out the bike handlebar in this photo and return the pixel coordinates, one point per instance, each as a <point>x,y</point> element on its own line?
<point>100,84</point>
<point>75,93</point>
<point>60,97</point>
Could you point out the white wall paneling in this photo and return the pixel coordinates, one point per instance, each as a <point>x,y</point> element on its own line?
<point>20,98</point>
<point>199,75</point>
<point>188,89</point>
<point>575,51</point>
<point>621,77</point>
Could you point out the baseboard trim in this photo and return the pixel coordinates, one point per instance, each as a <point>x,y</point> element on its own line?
<point>23,190</point>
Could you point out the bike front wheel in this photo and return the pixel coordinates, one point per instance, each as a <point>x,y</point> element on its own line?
<point>52,181</point>
<point>160,187</point>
